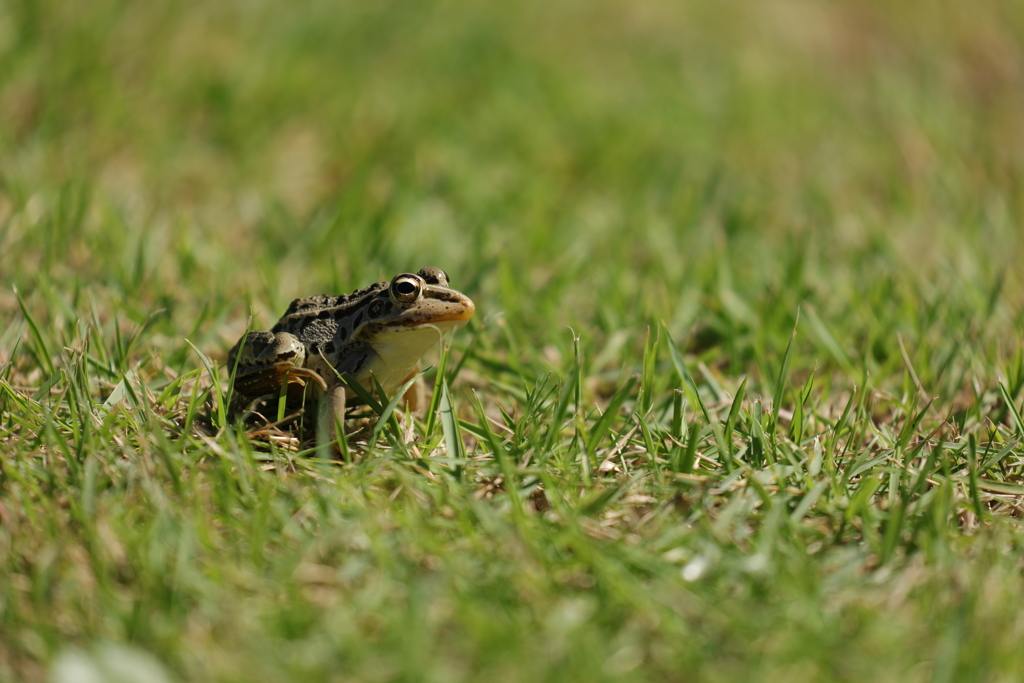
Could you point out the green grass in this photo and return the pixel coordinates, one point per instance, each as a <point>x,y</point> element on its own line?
<point>742,399</point>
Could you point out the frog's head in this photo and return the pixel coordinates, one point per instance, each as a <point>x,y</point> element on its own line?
<point>406,317</point>
<point>412,303</point>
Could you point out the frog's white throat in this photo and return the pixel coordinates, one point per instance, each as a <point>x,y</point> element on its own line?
<point>398,350</point>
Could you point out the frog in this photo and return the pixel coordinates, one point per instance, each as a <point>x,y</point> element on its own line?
<point>375,335</point>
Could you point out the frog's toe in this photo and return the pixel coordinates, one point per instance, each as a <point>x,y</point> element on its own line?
<point>259,380</point>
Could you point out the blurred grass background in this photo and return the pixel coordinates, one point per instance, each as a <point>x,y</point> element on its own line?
<point>602,166</point>
<point>568,143</point>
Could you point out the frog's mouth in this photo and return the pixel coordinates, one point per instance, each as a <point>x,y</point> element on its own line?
<point>439,325</point>
<point>453,317</point>
<point>465,313</point>
<point>457,313</point>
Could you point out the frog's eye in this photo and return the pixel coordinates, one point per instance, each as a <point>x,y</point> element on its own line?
<point>434,276</point>
<point>406,288</point>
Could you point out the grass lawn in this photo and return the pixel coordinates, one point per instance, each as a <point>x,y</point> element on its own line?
<point>741,400</point>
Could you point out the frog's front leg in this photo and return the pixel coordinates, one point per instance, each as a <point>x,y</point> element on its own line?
<point>332,408</point>
<point>350,361</point>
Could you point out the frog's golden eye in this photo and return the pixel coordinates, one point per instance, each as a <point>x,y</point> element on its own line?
<point>406,288</point>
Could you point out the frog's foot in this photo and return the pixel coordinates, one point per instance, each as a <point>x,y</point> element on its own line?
<point>259,380</point>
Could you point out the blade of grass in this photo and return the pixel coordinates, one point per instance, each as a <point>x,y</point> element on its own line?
<point>780,383</point>
<point>39,350</point>
<point>604,423</point>
<point>218,395</point>
<point>1015,413</point>
<point>502,457</point>
<point>450,429</point>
